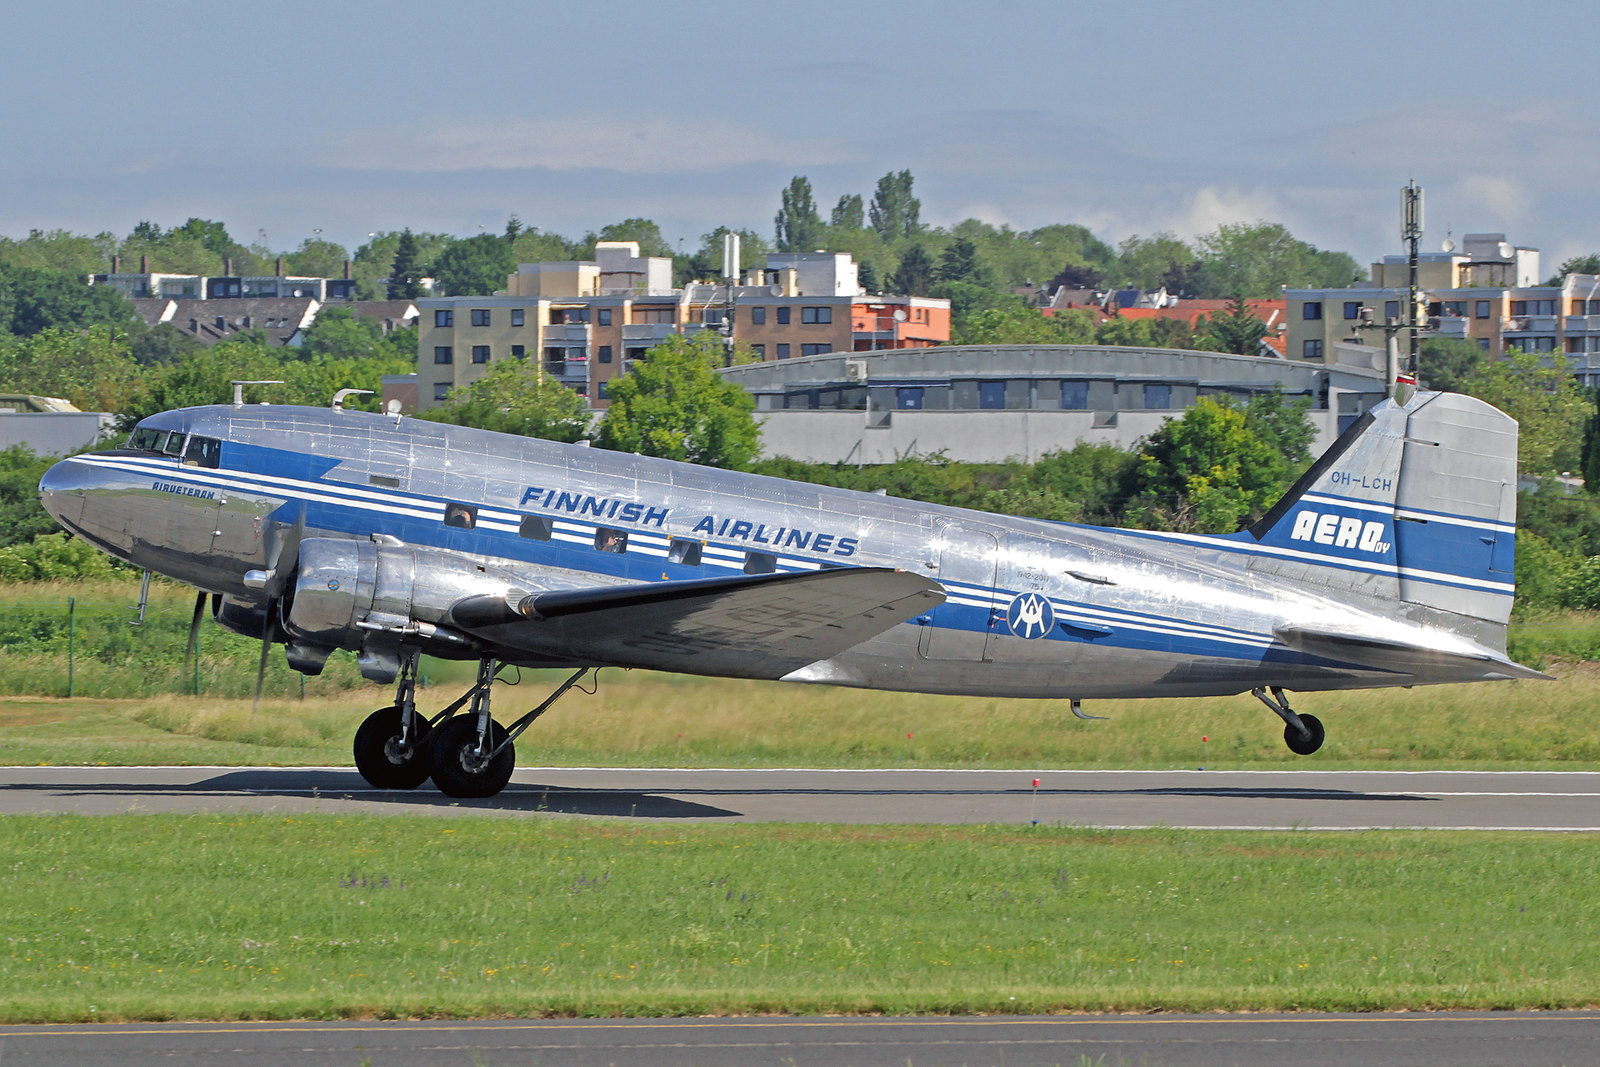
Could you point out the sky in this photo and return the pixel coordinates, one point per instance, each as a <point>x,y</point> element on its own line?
<point>293,120</point>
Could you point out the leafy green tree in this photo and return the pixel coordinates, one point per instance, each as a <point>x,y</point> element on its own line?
<point>1255,260</point>
<point>1150,262</point>
<point>92,368</point>
<point>643,231</point>
<point>915,275</point>
<point>60,250</point>
<point>405,271</point>
<point>895,213</point>
<point>537,246</point>
<point>1539,391</point>
<point>967,299</point>
<point>161,343</point>
<point>1589,264</point>
<point>515,396</point>
<point>849,213</point>
<point>34,299</point>
<point>1445,363</point>
<point>475,266</point>
<point>673,404</point>
<point>1125,332</point>
<point>1236,330</point>
<point>316,258</point>
<point>21,517</point>
<point>798,226</point>
<point>1018,324</point>
<point>1208,472</point>
<point>341,334</point>
<point>959,263</point>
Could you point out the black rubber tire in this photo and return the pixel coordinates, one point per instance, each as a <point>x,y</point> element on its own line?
<point>450,758</point>
<point>377,761</point>
<point>1300,744</point>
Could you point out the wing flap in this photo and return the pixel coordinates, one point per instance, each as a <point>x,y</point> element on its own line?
<point>762,626</point>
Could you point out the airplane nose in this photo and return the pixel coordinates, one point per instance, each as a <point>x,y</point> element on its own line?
<point>61,491</point>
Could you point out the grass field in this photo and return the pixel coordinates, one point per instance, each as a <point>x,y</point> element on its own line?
<point>645,719</point>
<point>270,917</point>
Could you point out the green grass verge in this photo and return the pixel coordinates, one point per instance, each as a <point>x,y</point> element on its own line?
<point>204,916</point>
<point>652,720</point>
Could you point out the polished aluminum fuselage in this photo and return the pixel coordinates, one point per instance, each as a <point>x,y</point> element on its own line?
<point>1033,608</point>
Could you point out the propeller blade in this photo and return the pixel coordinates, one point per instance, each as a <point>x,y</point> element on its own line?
<point>266,649</point>
<point>194,631</point>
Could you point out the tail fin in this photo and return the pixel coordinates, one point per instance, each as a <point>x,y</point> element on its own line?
<point>1414,503</point>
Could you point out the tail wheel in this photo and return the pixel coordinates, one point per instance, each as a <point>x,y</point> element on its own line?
<point>457,769</point>
<point>1303,744</point>
<point>380,757</point>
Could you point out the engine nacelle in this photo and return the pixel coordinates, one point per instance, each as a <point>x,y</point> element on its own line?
<point>240,616</point>
<point>368,598</point>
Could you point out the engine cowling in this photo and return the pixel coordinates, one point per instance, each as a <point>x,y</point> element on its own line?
<point>368,598</point>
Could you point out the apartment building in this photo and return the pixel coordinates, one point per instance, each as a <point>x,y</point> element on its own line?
<point>587,321</point>
<point>1487,293</point>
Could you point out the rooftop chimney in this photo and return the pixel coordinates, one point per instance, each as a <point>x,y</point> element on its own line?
<point>144,263</point>
<point>280,266</point>
<point>227,265</point>
<point>116,263</point>
<point>347,270</point>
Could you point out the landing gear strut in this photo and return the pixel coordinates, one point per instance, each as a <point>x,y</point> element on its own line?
<point>467,755</point>
<point>389,744</point>
<point>1302,733</point>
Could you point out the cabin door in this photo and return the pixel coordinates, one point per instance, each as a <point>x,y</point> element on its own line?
<point>962,627</point>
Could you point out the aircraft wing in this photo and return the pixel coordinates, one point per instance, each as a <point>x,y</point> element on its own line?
<point>762,626</point>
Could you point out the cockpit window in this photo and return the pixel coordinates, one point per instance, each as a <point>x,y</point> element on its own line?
<point>174,445</point>
<point>202,452</point>
<point>148,440</point>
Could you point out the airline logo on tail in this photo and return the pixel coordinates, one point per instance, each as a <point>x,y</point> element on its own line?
<point>1340,531</point>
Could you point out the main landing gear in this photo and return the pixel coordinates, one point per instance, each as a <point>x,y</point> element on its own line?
<point>467,755</point>
<point>1302,733</point>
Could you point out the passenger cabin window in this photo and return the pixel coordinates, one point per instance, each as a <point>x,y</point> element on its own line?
<point>608,540</point>
<point>203,452</point>
<point>464,516</point>
<point>683,550</point>
<point>760,563</point>
<point>535,528</point>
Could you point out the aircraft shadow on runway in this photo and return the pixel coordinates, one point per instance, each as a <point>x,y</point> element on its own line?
<point>661,802</point>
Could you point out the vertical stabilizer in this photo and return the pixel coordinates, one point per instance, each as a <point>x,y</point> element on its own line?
<point>1414,503</point>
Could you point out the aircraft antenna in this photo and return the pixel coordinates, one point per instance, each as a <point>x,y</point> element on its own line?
<point>338,398</point>
<point>238,389</point>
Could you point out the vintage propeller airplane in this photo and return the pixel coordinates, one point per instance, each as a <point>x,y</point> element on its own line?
<point>1388,564</point>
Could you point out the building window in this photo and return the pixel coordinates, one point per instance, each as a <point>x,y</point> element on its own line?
<point>1075,396</point>
<point>441,390</point>
<point>1480,309</point>
<point>444,354</point>
<point>1352,309</point>
<point>603,317</point>
<point>760,351</point>
<point>783,351</point>
<point>480,353</point>
<point>1391,309</point>
<point>908,398</point>
<point>605,353</point>
<point>480,316</point>
<point>1483,343</point>
<point>517,351</point>
<point>1159,397</point>
<point>758,316</point>
<point>813,316</point>
<point>444,318</point>
<point>517,316</point>
<point>991,394</point>
<point>1311,350</point>
<point>814,350</point>
<point>783,316</point>
<point>1311,309</point>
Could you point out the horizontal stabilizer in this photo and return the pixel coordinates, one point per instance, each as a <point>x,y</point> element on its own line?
<point>1401,657</point>
<point>761,626</point>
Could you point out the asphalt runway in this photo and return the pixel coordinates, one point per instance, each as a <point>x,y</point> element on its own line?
<point>1444,1039</point>
<point>1251,800</point>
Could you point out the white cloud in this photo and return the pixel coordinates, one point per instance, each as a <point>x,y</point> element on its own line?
<point>641,145</point>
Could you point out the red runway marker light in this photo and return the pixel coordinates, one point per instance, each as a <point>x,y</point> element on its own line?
<point>1036,783</point>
